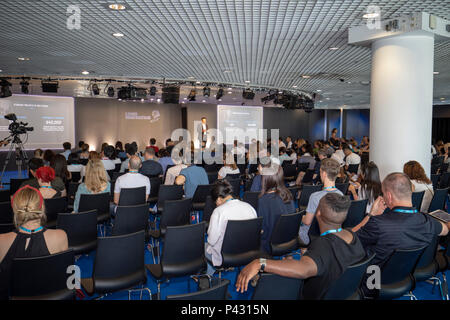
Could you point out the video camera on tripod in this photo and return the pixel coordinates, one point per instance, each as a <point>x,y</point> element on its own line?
<point>16,127</point>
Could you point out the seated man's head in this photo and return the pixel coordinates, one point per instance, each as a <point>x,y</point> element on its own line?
<point>109,151</point>
<point>67,146</point>
<point>329,169</point>
<point>130,149</point>
<point>34,164</point>
<point>397,190</point>
<point>332,210</point>
<point>135,163</point>
<point>149,154</point>
<point>347,150</point>
<point>322,154</point>
<point>282,150</point>
<point>221,192</point>
<point>80,144</point>
<point>152,141</point>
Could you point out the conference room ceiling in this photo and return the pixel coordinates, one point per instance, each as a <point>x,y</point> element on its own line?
<point>264,43</point>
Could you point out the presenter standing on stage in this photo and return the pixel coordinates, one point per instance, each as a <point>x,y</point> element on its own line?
<point>202,129</point>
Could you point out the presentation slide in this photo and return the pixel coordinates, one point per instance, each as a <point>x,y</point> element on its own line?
<point>52,119</point>
<point>237,122</point>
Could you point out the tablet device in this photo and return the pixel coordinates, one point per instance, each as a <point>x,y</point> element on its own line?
<point>440,215</point>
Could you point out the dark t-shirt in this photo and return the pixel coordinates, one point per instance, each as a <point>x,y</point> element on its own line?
<point>332,256</point>
<point>151,168</point>
<point>395,230</point>
<point>270,207</point>
<point>57,184</point>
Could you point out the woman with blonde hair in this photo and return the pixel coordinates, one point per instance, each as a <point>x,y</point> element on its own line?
<point>96,181</point>
<point>31,238</point>
<point>420,182</point>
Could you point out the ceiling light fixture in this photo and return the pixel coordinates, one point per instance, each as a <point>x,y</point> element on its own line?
<point>371,15</point>
<point>306,76</point>
<point>85,72</point>
<point>23,59</point>
<point>118,34</point>
<point>117,6</point>
<point>436,72</point>
<point>333,48</point>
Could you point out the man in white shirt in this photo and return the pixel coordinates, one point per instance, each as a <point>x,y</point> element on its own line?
<point>339,155</point>
<point>281,143</point>
<point>289,142</point>
<point>132,179</point>
<point>227,208</point>
<point>107,154</point>
<point>352,158</point>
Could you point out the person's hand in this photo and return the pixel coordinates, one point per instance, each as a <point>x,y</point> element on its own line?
<point>246,275</point>
<point>378,207</point>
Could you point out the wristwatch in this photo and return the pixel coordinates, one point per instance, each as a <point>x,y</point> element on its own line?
<point>262,264</point>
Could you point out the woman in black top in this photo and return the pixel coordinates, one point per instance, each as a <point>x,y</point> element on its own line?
<point>275,199</point>
<point>30,239</point>
<point>334,141</point>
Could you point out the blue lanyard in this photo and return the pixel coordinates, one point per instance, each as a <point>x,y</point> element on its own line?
<point>331,231</point>
<point>133,171</point>
<point>31,231</point>
<point>47,187</point>
<point>229,200</point>
<point>333,187</point>
<point>405,211</point>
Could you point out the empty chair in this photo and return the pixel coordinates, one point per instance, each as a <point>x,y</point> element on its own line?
<point>52,208</point>
<point>132,196</point>
<point>176,213</point>
<point>444,181</point>
<point>217,292</point>
<point>307,190</point>
<point>275,287</point>
<point>183,253</point>
<point>346,287</point>
<point>284,238</point>
<point>397,274</point>
<point>42,278</point>
<point>155,182</point>
<point>353,168</point>
<point>417,198</point>
<point>343,187</point>
<point>208,211</point>
<point>14,185</point>
<point>168,192</point>
<point>356,213</point>
<point>118,265</point>
<point>251,198</point>
<point>199,197</point>
<point>438,200</point>
<point>289,171</point>
<point>236,185</point>
<point>81,230</point>
<point>130,219</point>
<point>6,212</point>
<point>99,202</point>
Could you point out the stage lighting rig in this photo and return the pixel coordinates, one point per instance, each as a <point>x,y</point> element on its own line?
<point>153,91</point>
<point>95,89</point>
<point>191,96</point>
<point>248,94</point>
<point>219,93</point>
<point>49,86</point>
<point>24,85</point>
<point>206,91</point>
<point>110,92</point>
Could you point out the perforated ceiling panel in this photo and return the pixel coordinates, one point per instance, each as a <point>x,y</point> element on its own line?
<point>268,43</point>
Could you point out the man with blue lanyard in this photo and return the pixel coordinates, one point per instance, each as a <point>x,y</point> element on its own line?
<point>327,258</point>
<point>400,226</point>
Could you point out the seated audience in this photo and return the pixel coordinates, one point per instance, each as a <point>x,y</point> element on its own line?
<point>307,156</point>
<point>80,147</point>
<point>165,159</point>
<point>34,164</point>
<point>420,182</point>
<point>274,200</point>
<point>31,238</point>
<point>227,208</point>
<point>59,164</point>
<point>169,146</point>
<point>350,157</point>
<point>174,172</point>
<point>45,176</point>
<point>95,181</point>
<point>39,154</point>
<point>370,186</point>
<point>151,167</point>
<point>329,170</point>
<point>284,156</point>
<point>67,147</point>
<point>263,167</point>
<point>131,150</point>
<point>153,145</point>
<point>401,226</point>
<point>108,158</point>
<point>327,258</point>
<point>133,179</point>
<point>190,178</point>
<point>84,152</point>
<point>229,167</point>
<point>48,155</point>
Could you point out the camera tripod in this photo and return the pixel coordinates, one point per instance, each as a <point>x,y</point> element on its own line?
<point>21,157</point>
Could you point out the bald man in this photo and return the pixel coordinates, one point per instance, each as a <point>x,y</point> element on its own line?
<point>393,223</point>
<point>327,257</point>
<point>133,179</point>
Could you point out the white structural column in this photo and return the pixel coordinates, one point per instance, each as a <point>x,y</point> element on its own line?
<point>401,101</point>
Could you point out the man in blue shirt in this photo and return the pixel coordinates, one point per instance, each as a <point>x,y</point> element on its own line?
<point>191,177</point>
<point>67,146</point>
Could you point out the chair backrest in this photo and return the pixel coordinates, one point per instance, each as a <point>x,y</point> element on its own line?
<point>201,192</point>
<point>6,212</point>
<point>294,191</point>
<point>71,192</point>
<point>212,176</point>
<point>76,176</point>
<point>417,198</point>
<point>444,181</point>
<point>119,262</point>
<point>184,250</point>
<point>289,170</point>
<point>284,237</point>
<point>117,168</point>
<point>53,207</point>
<point>444,167</point>
<point>429,254</point>
<point>209,209</point>
<point>81,229</point>
<point>14,185</point>
<point>132,196</point>
<point>400,265</point>
<point>438,200</point>
<point>99,202</point>
<point>169,192</point>
<point>353,168</point>
<point>6,227</point>
<point>306,193</point>
<point>303,166</point>
<point>110,173</point>
<point>42,277</point>
<point>275,287</point>
<point>435,180</point>
<point>434,168</point>
<point>236,185</point>
<point>130,219</point>
<point>5,196</point>
<point>253,168</point>
<point>176,213</point>
<point>347,285</point>
<point>155,183</point>
<point>251,197</point>
<point>116,175</point>
<point>217,292</point>
<point>241,242</point>
<point>356,213</point>
<point>232,176</point>
<point>343,187</point>
<point>308,177</point>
